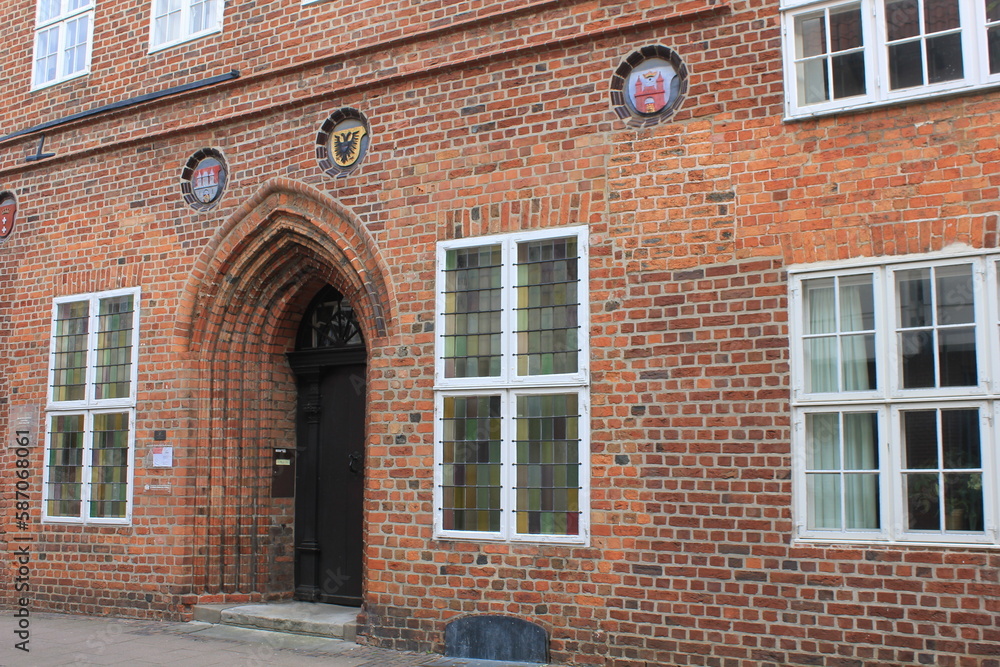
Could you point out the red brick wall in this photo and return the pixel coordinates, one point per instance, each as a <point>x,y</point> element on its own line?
<point>499,122</point>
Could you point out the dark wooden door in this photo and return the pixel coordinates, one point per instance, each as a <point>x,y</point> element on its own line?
<point>329,536</point>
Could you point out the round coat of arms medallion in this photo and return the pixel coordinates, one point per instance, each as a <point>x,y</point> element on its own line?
<point>342,142</point>
<point>649,86</point>
<point>8,209</point>
<point>203,179</point>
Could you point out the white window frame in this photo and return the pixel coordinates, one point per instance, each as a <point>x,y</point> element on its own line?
<point>90,406</point>
<point>60,23</point>
<point>975,55</point>
<point>889,399</point>
<point>509,385</point>
<point>186,34</point>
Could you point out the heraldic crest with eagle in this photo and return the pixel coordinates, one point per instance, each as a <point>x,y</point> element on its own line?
<point>346,145</point>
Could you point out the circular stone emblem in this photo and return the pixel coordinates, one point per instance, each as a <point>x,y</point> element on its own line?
<point>342,142</point>
<point>8,208</point>
<point>204,179</point>
<point>649,86</point>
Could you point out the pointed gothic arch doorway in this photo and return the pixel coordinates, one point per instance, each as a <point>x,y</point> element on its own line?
<point>329,363</point>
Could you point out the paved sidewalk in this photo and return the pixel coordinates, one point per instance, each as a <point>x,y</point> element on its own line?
<point>60,639</point>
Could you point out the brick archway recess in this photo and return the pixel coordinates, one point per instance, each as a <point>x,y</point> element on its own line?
<point>235,321</point>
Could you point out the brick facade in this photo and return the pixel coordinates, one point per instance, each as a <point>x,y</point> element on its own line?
<point>486,116</point>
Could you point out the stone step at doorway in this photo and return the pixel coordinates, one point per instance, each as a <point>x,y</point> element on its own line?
<point>303,618</point>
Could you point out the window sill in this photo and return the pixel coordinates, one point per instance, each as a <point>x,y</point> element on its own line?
<point>56,82</point>
<point>183,40</point>
<point>535,540</point>
<point>855,542</point>
<point>67,521</point>
<point>791,117</point>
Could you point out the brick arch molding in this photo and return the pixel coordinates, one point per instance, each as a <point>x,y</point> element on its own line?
<point>253,252</point>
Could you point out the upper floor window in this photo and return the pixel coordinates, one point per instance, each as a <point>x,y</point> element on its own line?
<point>896,401</point>
<point>841,55</point>
<point>63,40</point>
<point>176,21</point>
<point>511,428</point>
<point>91,408</point>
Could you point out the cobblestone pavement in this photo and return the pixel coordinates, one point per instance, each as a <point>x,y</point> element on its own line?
<point>60,639</point>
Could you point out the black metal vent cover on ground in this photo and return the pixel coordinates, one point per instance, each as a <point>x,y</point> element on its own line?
<point>496,638</point>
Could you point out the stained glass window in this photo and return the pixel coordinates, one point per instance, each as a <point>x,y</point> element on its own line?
<point>471,463</point>
<point>548,464</point>
<point>512,387</point>
<point>472,312</point>
<point>547,307</point>
<point>91,403</point>
<point>65,465</point>
<point>109,465</point>
<point>69,355</point>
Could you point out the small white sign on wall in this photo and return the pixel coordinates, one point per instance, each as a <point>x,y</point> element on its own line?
<point>23,425</point>
<point>163,457</point>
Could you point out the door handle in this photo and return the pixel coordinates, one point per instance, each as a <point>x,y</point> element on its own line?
<point>353,462</point>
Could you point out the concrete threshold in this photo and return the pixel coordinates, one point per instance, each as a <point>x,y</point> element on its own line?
<point>302,618</point>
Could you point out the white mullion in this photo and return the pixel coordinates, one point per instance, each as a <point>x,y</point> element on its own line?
<point>88,47</point>
<point>583,307</point>
<point>883,314</point>
<point>981,40</point>
<point>133,393</point>
<point>91,374</point>
<point>130,473</point>
<point>980,320</point>
<point>508,304</point>
<point>870,22</point>
<point>838,334</point>
<point>61,36</point>
<point>439,314</point>
<point>885,466</point>
<point>437,497</point>
<point>991,476</point>
<point>584,453</point>
<point>508,456</point>
<point>800,499</point>
<point>828,54</point>
<point>969,27</point>
<point>992,327</point>
<point>796,333</point>
<point>923,39</point>
<point>891,320</point>
<point>88,453</point>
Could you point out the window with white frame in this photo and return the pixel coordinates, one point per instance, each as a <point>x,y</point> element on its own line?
<point>177,21</point>
<point>91,408</point>
<point>63,40</point>
<point>841,55</point>
<point>895,401</point>
<point>511,409</point>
